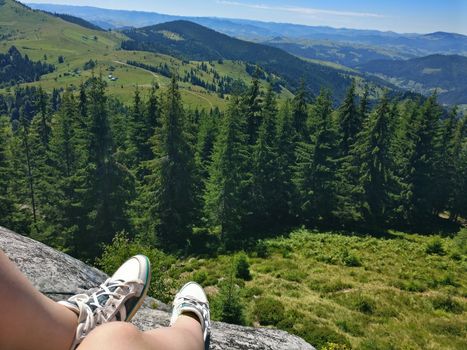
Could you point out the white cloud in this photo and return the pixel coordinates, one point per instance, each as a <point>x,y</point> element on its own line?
<point>301,10</point>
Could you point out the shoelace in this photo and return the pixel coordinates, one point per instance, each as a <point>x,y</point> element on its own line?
<point>95,309</point>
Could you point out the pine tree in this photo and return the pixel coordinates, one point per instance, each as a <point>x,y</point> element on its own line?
<point>152,121</point>
<point>25,162</point>
<point>265,170</point>
<point>67,157</point>
<point>286,162</point>
<point>173,201</point>
<point>363,107</point>
<point>102,185</point>
<point>373,155</point>
<point>444,167</point>
<point>137,132</point>
<point>349,122</point>
<point>458,200</point>
<point>422,163</point>
<point>251,109</point>
<point>205,140</point>
<point>44,129</point>
<point>300,115</point>
<point>225,204</point>
<point>315,173</point>
<point>7,203</point>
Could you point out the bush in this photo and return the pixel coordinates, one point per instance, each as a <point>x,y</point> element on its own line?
<point>447,304</point>
<point>269,311</point>
<point>242,267</point>
<point>364,305</point>
<point>321,336</point>
<point>329,286</point>
<point>262,250</point>
<point>461,241</point>
<point>411,285</point>
<point>350,259</point>
<point>227,306</point>
<point>435,247</point>
<point>122,248</point>
<point>293,275</point>
<point>200,277</point>
<point>351,327</point>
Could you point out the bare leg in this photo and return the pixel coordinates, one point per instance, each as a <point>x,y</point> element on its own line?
<point>185,334</point>
<point>29,319</point>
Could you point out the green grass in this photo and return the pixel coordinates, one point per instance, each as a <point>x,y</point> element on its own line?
<point>40,35</point>
<point>398,292</point>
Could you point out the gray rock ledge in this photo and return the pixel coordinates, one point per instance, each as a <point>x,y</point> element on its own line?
<point>59,275</point>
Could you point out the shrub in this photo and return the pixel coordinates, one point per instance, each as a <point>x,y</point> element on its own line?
<point>262,250</point>
<point>435,247</point>
<point>351,327</point>
<point>350,259</point>
<point>447,304</point>
<point>461,241</point>
<point>251,292</point>
<point>294,275</point>
<point>364,305</point>
<point>330,286</point>
<point>321,336</point>
<point>200,277</point>
<point>448,280</point>
<point>411,285</point>
<point>122,248</point>
<point>269,311</point>
<point>227,306</point>
<point>242,267</point>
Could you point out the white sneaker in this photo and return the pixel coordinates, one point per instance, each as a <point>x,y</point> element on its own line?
<point>117,299</point>
<point>192,299</point>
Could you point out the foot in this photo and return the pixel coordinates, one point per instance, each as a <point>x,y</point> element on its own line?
<point>191,300</point>
<point>117,299</point>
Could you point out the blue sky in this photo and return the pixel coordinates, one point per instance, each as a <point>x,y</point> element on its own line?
<point>419,16</point>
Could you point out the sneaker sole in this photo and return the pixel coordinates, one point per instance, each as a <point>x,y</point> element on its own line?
<point>140,302</point>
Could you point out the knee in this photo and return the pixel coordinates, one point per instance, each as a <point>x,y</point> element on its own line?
<point>118,333</point>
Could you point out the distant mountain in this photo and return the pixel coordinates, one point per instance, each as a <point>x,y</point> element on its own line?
<point>405,45</point>
<point>76,20</point>
<point>191,41</point>
<point>445,73</point>
<point>350,55</point>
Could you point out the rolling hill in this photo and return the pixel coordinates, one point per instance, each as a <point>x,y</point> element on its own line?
<point>406,45</point>
<point>445,73</point>
<point>190,41</point>
<point>68,46</point>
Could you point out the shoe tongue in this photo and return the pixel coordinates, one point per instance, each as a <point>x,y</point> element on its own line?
<point>102,299</point>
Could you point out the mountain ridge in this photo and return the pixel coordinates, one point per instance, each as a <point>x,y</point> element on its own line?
<point>202,43</point>
<point>236,27</point>
<point>445,73</point>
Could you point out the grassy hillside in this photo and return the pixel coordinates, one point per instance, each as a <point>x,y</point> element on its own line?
<point>47,38</point>
<point>400,291</point>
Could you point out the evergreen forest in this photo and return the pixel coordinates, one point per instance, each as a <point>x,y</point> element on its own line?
<point>79,167</point>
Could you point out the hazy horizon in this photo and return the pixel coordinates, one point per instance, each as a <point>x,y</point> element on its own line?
<point>397,16</point>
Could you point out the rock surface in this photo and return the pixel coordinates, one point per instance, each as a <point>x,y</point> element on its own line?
<point>59,275</point>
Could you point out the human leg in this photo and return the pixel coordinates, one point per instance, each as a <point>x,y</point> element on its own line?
<point>189,330</point>
<point>117,299</point>
<point>185,334</point>
<point>29,319</point>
